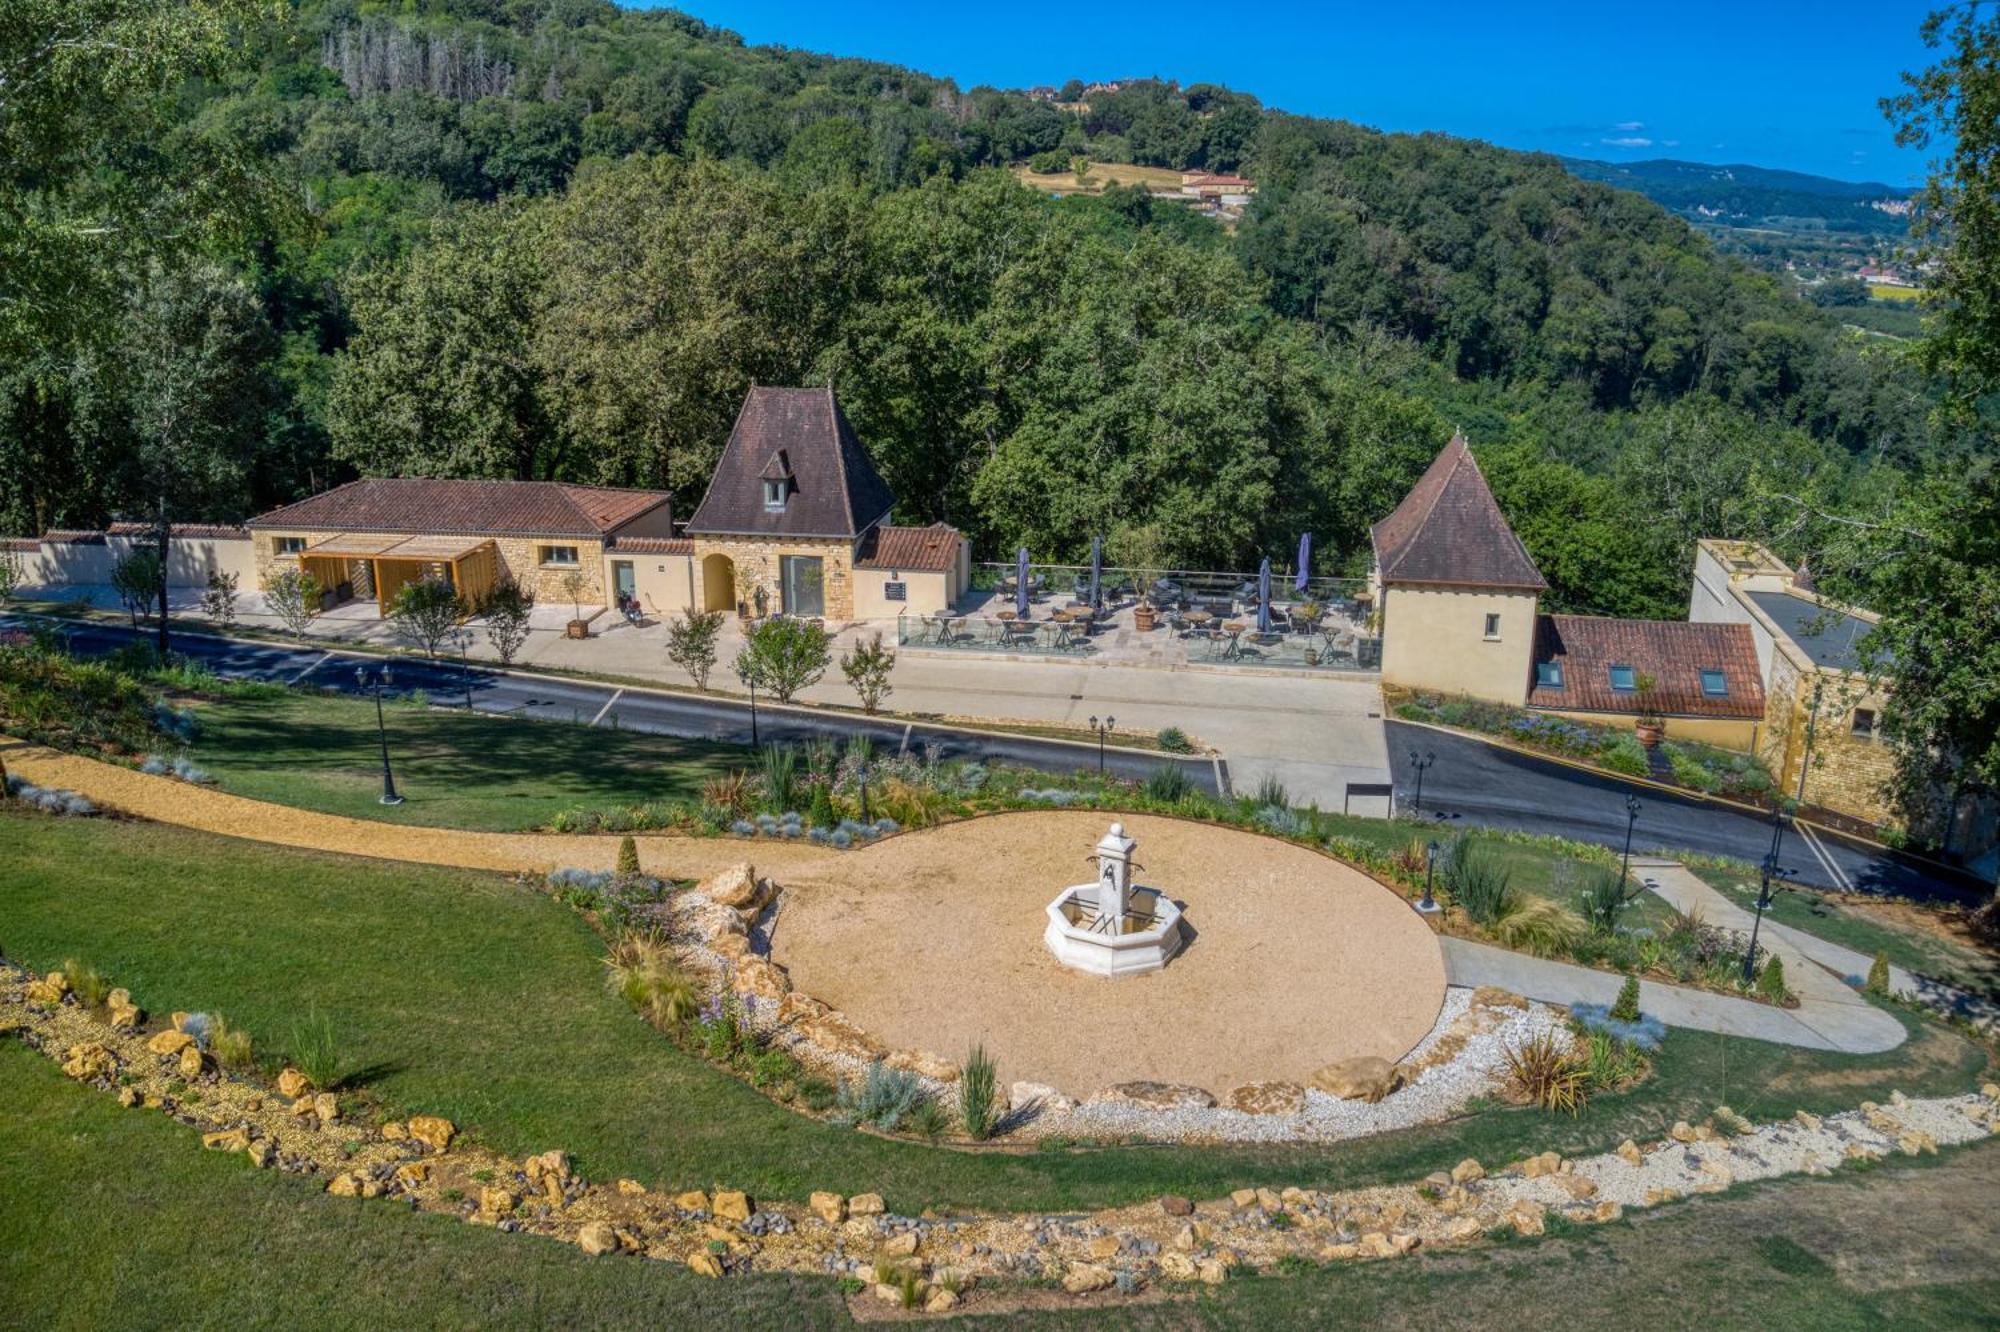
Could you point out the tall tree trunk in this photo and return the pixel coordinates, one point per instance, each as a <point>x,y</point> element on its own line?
<point>161,532</point>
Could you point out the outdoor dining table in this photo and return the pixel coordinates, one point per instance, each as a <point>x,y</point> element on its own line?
<point>1199,618</point>
<point>941,628</point>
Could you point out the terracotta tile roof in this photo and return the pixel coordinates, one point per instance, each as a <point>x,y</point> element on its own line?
<point>69,536</point>
<point>208,531</point>
<point>1450,530</point>
<point>425,505</point>
<point>1673,652</point>
<point>932,549</point>
<point>652,545</point>
<point>21,545</point>
<point>834,490</point>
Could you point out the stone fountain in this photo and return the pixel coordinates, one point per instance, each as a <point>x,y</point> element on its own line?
<point>1111,927</point>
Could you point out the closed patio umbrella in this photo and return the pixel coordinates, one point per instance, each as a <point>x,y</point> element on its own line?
<point>1021,583</point>
<point>1096,572</point>
<point>1305,562</point>
<point>1264,596</point>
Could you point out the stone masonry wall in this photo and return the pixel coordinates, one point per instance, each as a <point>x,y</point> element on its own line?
<point>1847,773</point>
<point>756,561</point>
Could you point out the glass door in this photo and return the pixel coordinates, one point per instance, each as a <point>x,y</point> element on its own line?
<point>803,586</point>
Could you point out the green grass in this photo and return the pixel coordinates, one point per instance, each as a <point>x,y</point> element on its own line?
<point>113,1218</point>
<point>476,997</point>
<point>1909,946</point>
<point>320,751</point>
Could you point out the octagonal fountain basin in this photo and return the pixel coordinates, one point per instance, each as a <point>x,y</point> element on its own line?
<point>1113,927</point>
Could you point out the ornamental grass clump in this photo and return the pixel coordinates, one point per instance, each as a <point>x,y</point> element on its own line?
<point>231,1046</point>
<point>1539,926</point>
<point>1604,897</point>
<point>86,983</point>
<point>883,1098</point>
<point>1169,785</point>
<point>1541,1072</point>
<point>641,970</point>
<point>314,1051</point>
<point>1175,741</point>
<point>978,1099</point>
<point>1626,1009</point>
<point>779,768</point>
<point>1480,886</point>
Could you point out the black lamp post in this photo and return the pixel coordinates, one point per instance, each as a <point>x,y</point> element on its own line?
<point>1768,879</point>
<point>1420,762</point>
<point>753,712</point>
<point>861,775</point>
<point>374,683</point>
<point>1102,731</point>
<point>463,638</point>
<point>1632,808</point>
<point>1429,906</point>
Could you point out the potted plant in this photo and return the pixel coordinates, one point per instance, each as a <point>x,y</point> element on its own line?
<point>1650,727</point>
<point>1139,549</point>
<point>572,584</point>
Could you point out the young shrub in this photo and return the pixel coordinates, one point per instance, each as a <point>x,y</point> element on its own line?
<point>1771,981</point>
<point>1626,1009</point>
<point>822,813</point>
<point>867,667</point>
<point>784,655</point>
<point>628,858</point>
<point>929,1120</point>
<point>1169,785</point>
<point>729,792</point>
<point>218,599</point>
<point>1609,1063</point>
<point>314,1051</point>
<point>1878,975</point>
<point>86,983</point>
<point>506,610</point>
<point>136,579</point>
<point>425,613</point>
<point>691,641</point>
<point>1539,926</point>
<point>294,598</point>
<point>1175,741</point>
<point>640,969</point>
<point>978,1096</point>
<point>1271,791</point>
<point>1540,1072</point>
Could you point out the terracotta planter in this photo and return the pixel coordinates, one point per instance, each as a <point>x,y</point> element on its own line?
<point>578,629</point>
<point>1143,618</point>
<point>1650,733</point>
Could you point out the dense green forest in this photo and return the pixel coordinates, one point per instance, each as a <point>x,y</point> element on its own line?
<point>553,238</point>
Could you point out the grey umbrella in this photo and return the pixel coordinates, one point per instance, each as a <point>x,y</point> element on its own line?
<point>1264,596</point>
<point>1305,562</point>
<point>1021,583</point>
<point>1096,572</point>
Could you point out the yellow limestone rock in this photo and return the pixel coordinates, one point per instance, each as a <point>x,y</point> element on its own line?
<point>413,1172</point>
<point>1083,1278</point>
<point>597,1239</point>
<point>631,1188</point>
<point>292,1084</point>
<point>170,1043</point>
<point>434,1131</point>
<point>901,1246</point>
<point>1528,1218</point>
<point>261,1152</point>
<point>703,1263</point>
<point>497,1201</point>
<point>829,1207</point>
<point>395,1131</point>
<point>732,1205</point>
<point>694,1200</point>
<point>1103,1248</point>
<point>89,1060</point>
<point>865,1204</point>
<point>1467,1171</point>
<point>1628,1152</point>
<point>226,1140</point>
<point>193,1063</point>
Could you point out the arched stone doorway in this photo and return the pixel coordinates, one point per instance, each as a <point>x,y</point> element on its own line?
<point>718,583</point>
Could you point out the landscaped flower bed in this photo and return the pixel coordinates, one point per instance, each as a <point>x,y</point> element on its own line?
<point>1695,765</point>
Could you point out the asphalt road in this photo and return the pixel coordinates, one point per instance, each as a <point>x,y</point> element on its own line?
<point>1477,783</point>
<point>575,701</point>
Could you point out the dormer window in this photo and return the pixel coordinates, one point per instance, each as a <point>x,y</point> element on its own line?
<point>777,479</point>
<point>774,495</point>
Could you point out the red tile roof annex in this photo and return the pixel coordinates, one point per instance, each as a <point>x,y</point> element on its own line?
<point>1673,652</point>
<point>629,545</point>
<point>433,505</point>
<point>1449,530</point>
<point>932,549</point>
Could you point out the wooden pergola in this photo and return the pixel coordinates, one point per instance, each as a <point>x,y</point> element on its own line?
<point>470,564</point>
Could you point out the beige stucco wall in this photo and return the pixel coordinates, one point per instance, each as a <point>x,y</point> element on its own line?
<point>1434,638</point>
<point>1723,732</point>
<point>928,593</point>
<point>666,584</point>
<point>190,560</point>
<point>755,560</point>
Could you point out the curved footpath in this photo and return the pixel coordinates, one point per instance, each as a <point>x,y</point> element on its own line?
<point>1830,1015</point>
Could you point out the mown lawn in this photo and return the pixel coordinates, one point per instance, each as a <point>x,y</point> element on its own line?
<point>113,1218</point>
<point>476,997</point>
<point>457,770</point>
<point>1909,946</point>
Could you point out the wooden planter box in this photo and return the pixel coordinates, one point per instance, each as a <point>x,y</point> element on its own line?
<point>578,629</point>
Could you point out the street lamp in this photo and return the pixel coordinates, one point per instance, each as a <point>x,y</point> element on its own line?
<point>1420,762</point>
<point>1632,808</point>
<point>1102,731</point>
<point>1429,906</point>
<point>1768,878</point>
<point>374,683</point>
<point>861,776</point>
<point>462,639</point>
<point>753,712</point>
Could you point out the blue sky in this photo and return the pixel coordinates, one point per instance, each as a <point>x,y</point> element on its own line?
<point>1774,84</point>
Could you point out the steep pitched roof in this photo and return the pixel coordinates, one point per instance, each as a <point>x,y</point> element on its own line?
<point>423,505</point>
<point>834,490</point>
<point>1673,652</point>
<point>932,549</point>
<point>1449,529</point>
